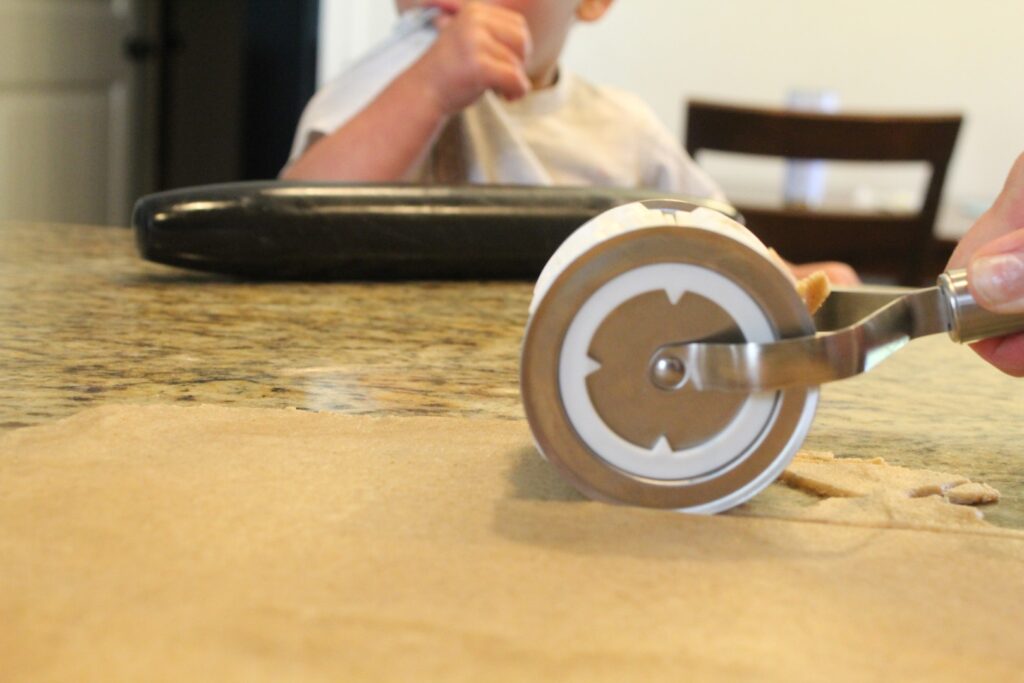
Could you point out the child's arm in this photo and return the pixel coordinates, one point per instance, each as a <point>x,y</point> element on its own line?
<point>481,48</point>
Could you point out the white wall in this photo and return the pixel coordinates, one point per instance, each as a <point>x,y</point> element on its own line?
<point>893,55</point>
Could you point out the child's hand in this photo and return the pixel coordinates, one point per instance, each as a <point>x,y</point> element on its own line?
<point>446,6</point>
<point>481,47</point>
<point>993,252</point>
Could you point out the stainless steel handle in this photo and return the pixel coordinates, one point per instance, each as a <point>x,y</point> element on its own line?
<point>969,322</point>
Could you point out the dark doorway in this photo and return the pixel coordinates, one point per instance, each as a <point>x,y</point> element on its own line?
<point>235,75</point>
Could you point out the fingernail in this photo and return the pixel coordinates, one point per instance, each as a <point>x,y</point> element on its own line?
<point>998,280</point>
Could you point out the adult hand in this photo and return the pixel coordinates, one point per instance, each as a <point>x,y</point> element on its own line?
<point>993,253</point>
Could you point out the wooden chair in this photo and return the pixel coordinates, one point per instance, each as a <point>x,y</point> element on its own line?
<point>897,246</point>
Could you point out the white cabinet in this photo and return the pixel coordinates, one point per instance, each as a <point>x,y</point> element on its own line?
<point>68,111</point>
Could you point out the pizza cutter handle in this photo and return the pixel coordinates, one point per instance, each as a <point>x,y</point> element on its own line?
<point>969,322</point>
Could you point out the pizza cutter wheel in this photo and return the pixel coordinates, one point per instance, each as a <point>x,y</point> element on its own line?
<point>669,362</point>
<point>623,428</point>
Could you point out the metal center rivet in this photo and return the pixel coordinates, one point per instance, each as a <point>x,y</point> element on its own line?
<point>668,373</point>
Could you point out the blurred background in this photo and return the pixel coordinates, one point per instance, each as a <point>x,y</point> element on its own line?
<point>104,100</point>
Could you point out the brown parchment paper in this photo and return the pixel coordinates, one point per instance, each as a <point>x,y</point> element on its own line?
<point>160,543</point>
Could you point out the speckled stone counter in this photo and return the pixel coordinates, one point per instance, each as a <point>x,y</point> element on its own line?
<point>86,322</point>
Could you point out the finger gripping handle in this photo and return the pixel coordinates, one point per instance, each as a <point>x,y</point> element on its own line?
<point>969,322</point>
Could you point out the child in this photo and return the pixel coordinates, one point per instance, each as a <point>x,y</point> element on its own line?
<point>470,91</point>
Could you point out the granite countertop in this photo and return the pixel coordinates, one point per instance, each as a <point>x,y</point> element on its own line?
<point>86,322</point>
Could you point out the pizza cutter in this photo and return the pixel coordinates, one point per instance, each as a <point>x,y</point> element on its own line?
<point>669,362</point>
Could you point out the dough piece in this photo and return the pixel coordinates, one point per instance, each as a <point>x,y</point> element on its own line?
<point>213,543</point>
<point>972,493</point>
<point>825,475</point>
<point>814,289</point>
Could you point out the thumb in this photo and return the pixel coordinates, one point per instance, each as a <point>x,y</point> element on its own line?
<point>995,274</point>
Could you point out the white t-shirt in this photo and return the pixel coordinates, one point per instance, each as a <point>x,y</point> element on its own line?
<point>573,133</point>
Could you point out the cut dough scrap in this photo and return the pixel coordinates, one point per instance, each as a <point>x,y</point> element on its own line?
<point>972,493</point>
<point>825,475</point>
<point>888,509</point>
<point>871,492</point>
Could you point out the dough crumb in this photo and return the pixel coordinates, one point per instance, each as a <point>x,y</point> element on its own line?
<point>814,289</point>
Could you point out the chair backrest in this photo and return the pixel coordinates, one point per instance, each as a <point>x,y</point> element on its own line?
<point>887,244</point>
